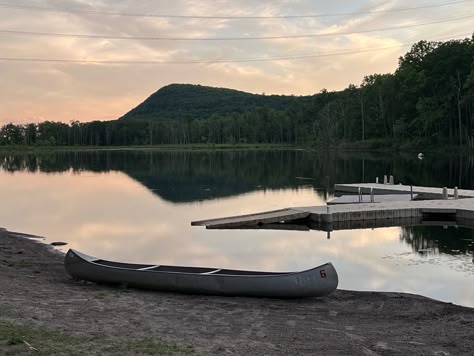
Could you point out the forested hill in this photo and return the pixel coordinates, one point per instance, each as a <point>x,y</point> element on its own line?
<point>427,101</point>
<point>187,101</point>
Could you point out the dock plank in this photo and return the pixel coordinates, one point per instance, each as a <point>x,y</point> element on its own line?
<point>268,217</point>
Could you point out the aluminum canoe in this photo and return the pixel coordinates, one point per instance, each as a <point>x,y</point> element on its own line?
<point>314,282</point>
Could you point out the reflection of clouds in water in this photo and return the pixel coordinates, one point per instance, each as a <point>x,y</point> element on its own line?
<point>92,231</point>
<point>114,217</point>
<point>367,237</point>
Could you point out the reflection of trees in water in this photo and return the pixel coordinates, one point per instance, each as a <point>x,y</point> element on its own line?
<point>180,176</point>
<point>436,239</point>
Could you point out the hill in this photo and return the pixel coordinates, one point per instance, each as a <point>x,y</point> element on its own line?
<point>427,102</point>
<point>178,101</point>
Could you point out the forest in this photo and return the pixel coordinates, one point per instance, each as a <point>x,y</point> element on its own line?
<point>427,101</point>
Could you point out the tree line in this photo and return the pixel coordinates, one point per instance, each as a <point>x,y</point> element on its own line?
<point>428,100</point>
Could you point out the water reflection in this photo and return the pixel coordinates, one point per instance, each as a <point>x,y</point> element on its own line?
<point>439,239</point>
<point>190,176</point>
<point>186,176</point>
<point>137,206</point>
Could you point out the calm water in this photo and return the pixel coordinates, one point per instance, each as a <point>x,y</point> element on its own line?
<point>137,206</point>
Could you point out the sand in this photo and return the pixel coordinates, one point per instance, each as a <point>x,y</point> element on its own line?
<point>36,291</point>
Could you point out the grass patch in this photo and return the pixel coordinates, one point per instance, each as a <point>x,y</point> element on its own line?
<point>18,340</point>
<point>5,310</point>
<point>100,295</point>
<point>12,337</point>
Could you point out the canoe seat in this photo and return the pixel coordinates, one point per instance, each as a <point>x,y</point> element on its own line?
<point>149,267</point>
<point>211,272</point>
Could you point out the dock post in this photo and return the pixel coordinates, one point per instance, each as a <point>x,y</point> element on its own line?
<point>392,181</point>
<point>445,193</point>
<point>372,195</point>
<point>456,193</point>
<point>377,180</point>
<point>411,192</point>
<point>360,194</point>
<point>385,181</point>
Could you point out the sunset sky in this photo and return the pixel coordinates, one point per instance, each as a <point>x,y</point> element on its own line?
<point>87,72</point>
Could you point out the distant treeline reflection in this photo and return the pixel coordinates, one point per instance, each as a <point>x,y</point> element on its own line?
<point>432,240</point>
<point>186,176</point>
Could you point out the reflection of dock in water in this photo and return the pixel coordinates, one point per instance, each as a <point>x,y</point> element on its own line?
<point>435,206</point>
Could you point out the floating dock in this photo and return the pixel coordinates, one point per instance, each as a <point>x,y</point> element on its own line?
<point>433,209</point>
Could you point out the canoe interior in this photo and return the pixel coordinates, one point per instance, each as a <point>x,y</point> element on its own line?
<point>199,270</point>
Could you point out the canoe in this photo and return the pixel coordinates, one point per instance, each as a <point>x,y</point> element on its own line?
<point>315,282</point>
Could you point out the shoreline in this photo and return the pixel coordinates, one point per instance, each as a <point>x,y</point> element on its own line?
<point>48,309</point>
<point>354,147</point>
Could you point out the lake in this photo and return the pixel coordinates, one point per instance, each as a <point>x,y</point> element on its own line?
<point>137,206</point>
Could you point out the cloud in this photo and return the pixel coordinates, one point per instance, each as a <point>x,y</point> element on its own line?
<point>32,91</point>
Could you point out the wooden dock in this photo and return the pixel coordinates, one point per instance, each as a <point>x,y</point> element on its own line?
<point>362,215</point>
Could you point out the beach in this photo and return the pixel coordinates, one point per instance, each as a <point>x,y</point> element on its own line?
<point>44,311</point>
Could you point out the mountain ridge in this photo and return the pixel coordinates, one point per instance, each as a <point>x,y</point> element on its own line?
<point>180,101</point>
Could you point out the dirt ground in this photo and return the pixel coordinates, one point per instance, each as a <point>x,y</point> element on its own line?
<point>36,293</point>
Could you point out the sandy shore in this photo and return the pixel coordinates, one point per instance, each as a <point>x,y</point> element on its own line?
<point>42,309</point>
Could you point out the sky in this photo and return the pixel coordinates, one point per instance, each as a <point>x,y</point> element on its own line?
<point>88,71</point>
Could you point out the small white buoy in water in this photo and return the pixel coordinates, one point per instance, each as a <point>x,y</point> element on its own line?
<point>420,155</point>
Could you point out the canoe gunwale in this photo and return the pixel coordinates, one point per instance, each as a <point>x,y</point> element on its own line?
<point>90,259</point>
